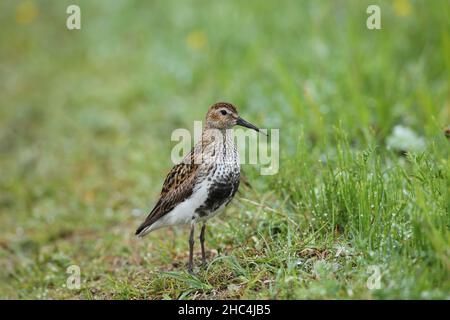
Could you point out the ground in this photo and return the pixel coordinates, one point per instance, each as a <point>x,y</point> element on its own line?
<point>358,209</point>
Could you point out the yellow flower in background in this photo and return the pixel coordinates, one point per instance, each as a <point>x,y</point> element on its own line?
<point>196,40</point>
<point>26,12</point>
<point>402,8</point>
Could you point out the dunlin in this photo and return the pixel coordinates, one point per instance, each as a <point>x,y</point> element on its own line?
<point>204,182</point>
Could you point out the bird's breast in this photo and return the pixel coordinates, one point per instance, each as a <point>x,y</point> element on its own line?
<point>222,184</point>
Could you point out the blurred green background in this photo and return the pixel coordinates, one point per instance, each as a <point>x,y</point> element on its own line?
<point>85,123</point>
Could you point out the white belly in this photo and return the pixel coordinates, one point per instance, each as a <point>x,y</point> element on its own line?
<point>184,213</point>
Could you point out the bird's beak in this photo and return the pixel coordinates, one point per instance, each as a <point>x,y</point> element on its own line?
<point>243,123</point>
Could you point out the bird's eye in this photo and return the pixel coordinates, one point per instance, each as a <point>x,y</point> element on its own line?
<point>223,112</point>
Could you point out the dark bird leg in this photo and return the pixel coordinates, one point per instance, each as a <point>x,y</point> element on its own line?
<point>202,243</point>
<point>191,250</point>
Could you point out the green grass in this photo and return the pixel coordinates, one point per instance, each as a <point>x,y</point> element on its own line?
<point>85,124</point>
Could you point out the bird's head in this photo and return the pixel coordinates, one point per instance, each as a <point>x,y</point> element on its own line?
<point>223,115</point>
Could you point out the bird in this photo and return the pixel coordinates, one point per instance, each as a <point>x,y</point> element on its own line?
<point>204,182</point>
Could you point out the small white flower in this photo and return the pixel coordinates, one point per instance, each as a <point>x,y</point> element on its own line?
<point>404,139</point>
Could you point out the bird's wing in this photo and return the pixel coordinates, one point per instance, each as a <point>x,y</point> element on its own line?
<point>177,187</point>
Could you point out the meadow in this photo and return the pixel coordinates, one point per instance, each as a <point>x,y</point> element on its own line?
<point>358,210</point>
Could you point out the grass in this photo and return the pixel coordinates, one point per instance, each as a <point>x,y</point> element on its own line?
<point>86,118</point>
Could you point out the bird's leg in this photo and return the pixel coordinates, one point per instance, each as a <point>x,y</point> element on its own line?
<point>191,250</point>
<point>202,243</point>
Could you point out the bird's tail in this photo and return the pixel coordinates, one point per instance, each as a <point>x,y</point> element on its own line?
<point>143,230</point>
<point>148,226</point>
<point>150,223</point>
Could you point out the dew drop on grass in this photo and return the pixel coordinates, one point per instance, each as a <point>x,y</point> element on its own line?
<point>350,292</point>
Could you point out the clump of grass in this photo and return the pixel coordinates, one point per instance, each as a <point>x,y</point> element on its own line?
<point>393,212</point>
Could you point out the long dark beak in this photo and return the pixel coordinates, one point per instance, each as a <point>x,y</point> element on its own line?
<point>243,123</point>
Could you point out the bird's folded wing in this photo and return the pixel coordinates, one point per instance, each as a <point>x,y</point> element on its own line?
<point>177,187</point>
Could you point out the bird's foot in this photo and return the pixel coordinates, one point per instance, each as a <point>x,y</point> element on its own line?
<point>190,270</point>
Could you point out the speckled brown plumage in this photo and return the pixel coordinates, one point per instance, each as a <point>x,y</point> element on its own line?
<point>177,187</point>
